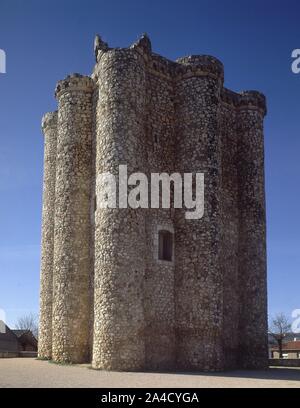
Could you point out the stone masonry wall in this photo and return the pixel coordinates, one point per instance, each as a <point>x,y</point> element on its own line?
<point>49,126</point>
<point>159,302</point>
<point>230,231</point>
<point>119,250</point>
<point>252,232</point>
<point>112,301</point>
<point>198,278</point>
<point>72,261</point>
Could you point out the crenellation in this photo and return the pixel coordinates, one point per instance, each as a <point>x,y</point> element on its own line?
<point>49,121</point>
<point>143,44</point>
<point>74,83</point>
<point>99,47</point>
<point>252,100</point>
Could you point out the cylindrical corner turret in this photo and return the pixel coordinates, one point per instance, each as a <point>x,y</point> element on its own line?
<point>252,231</point>
<point>72,259</point>
<point>198,281</point>
<point>49,123</point>
<point>119,233</point>
<point>49,128</point>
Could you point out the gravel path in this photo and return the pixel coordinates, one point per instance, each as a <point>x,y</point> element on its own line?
<point>28,372</point>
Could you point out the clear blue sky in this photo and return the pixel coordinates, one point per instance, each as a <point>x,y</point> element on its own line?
<point>46,40</point>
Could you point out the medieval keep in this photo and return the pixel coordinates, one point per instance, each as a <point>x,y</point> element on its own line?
<point>147,289</point>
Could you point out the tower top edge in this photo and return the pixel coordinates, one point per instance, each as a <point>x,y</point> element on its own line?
<point>74,82</point>
<point>207,64</point>
<point>252,100</point>
<point>49,120</point>
<point>245,99</point>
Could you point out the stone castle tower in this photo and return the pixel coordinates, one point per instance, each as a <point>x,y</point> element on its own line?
<point>147,289</point>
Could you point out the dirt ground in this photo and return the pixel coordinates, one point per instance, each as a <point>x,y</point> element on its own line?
<point>29,372</point>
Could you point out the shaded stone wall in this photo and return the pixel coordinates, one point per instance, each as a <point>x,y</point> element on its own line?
<point>205,309</point>
<point>252,232</point>
<point>230,229</point>
<point>159,302</point>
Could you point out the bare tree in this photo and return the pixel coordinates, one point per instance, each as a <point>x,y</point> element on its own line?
<point>28,322</point>
<point>279,328</point>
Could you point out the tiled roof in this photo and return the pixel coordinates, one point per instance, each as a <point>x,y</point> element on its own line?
<point>290,345</point>
<point>19,333</point>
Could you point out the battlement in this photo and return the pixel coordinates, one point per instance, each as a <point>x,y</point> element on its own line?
<point>201,64</point>
<point>49,120</point>
<point>72,83</point>
<point>143,44</point>
<point>252,100</point>
<point>182,67</point>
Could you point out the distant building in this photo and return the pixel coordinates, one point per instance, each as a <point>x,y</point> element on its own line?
<point>9,343</point>
<point>290,349</point>
<point>26,340</point>
<point>13,343</point>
